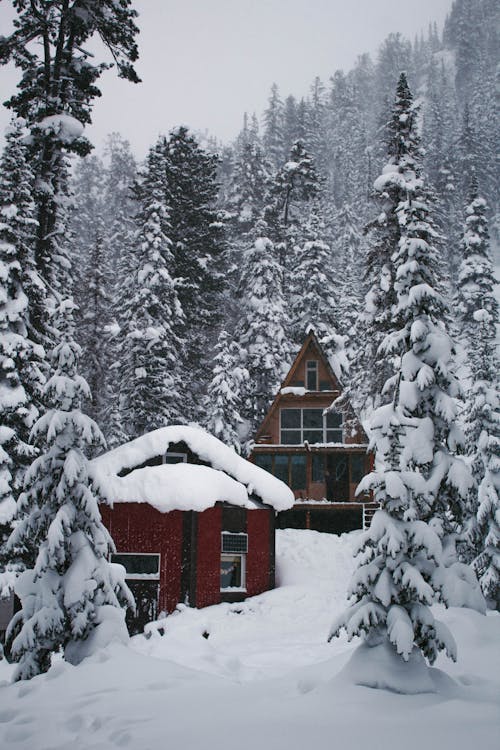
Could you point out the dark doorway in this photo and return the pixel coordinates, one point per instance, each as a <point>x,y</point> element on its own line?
<point>337,478</point>
<point>146,602</point>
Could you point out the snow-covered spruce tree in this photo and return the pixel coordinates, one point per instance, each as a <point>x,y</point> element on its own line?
<point>93,292</point>
<point>421,485</point>
<point>477,311</point>
<point>263,328</point>
<point>152,354</point>
<point>249,184</point>
<point>224,395</point>
<point>314,295</point>
<point>21,378</point>
<point>273,128</point>
<point>199,251</point>
<point>72,597</point>
<point>375,366</point>
<point>120,207</point>
<point>55,97</point>
<point>348,257</point>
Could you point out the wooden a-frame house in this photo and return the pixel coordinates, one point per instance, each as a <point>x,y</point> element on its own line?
<point>321,456</point>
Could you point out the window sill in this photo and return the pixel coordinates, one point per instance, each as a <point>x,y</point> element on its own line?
<point>233,589</point>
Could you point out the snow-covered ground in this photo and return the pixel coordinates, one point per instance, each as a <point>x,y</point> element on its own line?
<point>263,678</point>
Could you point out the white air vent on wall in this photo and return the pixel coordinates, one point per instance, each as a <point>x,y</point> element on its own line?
<point>235,543</point>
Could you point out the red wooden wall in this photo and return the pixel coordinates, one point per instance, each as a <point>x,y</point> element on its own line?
<point>138,527</point>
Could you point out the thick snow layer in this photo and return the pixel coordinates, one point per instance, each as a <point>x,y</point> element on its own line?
<point>176,487</point>
<point>264,677</point>
<point>66,127</point>
<point>186,484</point>
<point>294,390</point>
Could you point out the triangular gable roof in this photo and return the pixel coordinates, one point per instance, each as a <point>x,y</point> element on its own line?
<point>311,339</point>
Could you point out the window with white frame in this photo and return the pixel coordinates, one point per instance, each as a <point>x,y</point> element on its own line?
<point>139,566</point>
<point>299,425</point>
<point>234,548</point>
<point>312,375</point>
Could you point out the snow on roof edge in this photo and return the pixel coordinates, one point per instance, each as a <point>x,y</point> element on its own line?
<point>105,468</point>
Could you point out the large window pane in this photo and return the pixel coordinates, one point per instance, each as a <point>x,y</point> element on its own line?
<point>357,467</point>
<point>298,472</point>
<point>313,436</point>
<point>318,467</point>
<point>281,467</point>
<point>334,436</point>
<point>138,564</point>
<point>334,419</point>
<point>291,437</point>
<point>313,418</point>
<point>290,418</point>
<point>231,571</point>
<point>265,461</point>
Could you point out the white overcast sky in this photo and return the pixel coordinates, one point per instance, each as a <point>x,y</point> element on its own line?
<point>204,62</point>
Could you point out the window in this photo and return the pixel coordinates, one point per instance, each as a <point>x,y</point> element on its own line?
<point>318,467</point>
<point>290,468</point>
<point>291,426</point>
<point>357,467</point>
<point>312,375</point>
<point>299,425</point>
<point>232,572</point>
<point>265,461</point>
<point>174,458</point>
<point>138,566</point>
<point>297,472</point>
<point>233,561</point>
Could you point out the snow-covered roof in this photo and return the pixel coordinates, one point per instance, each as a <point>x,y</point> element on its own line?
<point>183,486</point>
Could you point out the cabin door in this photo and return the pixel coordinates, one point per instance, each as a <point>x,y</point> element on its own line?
<point>337,478</point>
<point>145,594</point>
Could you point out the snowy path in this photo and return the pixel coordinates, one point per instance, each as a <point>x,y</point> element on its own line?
<point>264,678</point>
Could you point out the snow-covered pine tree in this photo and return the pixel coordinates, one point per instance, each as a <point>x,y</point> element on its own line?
<point>120,207</point>
<point>21,378</point>
<point>477,311</point>
<point>153,348</point>
<point>198,241</point>
<point>348,257</point>
<point>263,328</point>
<point>375,366</point>
<point>71,597</point>
<point>224,395</point>
<point>273,128</point>
<point>55,97</point>
<point>249,184</point>
<point>421,485</point>
<point>288,203</point>
<point>93,294</point>
<point>314,295</point>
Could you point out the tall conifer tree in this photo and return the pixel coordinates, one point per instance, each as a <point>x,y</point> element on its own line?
<point>419,482</point>
<point>478,318</point>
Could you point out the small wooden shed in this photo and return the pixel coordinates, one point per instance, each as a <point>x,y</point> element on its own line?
<point>192,521</point>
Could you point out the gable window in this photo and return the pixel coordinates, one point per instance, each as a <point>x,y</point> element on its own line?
<point>312,375</point>
<point>174,458</point>
<point>234,548</point>
<point>299,425</point>
<point>138,567</point>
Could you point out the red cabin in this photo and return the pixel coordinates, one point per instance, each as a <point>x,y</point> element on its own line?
<point>191,520</point>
